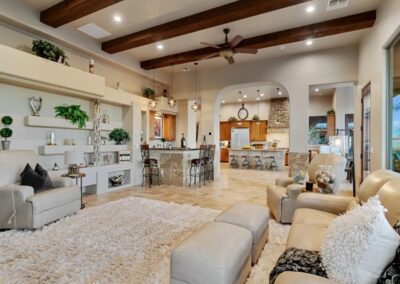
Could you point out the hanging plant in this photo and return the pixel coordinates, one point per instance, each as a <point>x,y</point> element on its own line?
<point>72,113</point>
<point>49,51</point>
<point>149,93</point>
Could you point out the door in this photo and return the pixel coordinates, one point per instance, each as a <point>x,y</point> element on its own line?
<point>366,131</point>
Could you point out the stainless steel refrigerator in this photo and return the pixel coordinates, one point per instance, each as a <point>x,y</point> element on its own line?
<point>240,137</point>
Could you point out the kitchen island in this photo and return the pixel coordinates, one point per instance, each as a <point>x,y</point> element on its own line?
<point>174,164</point>
<point>266,156</point>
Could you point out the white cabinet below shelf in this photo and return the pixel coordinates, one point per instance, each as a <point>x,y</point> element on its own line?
<point>50,122</point>
<point>60,150</point>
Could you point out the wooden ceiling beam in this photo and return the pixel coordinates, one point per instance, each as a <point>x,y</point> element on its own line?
<point>214,17</point>
<point>317,30</point>
<point>70,10</point>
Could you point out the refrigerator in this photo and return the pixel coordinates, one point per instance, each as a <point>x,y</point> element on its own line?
<point>240,137</point>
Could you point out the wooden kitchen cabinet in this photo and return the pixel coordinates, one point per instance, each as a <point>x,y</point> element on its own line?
<point>152,119</point>
<point>331,118</point>
<point>240,124</point>
<point>258,131</point>
<point>224,155</point>
<point>169,128</point>
<point>225,131</point>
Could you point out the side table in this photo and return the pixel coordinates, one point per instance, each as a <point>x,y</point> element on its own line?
<point>77,177</point>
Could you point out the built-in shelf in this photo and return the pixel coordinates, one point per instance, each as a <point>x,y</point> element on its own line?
<point>60,150</point>
<point>50,122</point>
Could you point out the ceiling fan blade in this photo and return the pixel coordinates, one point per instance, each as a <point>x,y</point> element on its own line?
<point>230,60</point>
<point>236,40</point>
<point>246,50</point>
<point>210,45</point>
<point>210,55</point>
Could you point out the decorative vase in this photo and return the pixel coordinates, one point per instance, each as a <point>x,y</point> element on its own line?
<point>5,145</point>
<point>326,179</point>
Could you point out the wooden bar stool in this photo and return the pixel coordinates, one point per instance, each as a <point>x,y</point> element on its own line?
<point>150,166</point>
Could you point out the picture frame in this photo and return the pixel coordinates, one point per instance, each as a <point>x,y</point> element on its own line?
<point>158,127</point>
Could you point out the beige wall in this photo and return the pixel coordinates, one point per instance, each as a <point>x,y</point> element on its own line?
<point>319,105</point>
<point>228,110</point>
<point>372,68</point>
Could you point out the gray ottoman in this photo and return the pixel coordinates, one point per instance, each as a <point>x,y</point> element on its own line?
<point>253,218</point>
<point>217,253</point>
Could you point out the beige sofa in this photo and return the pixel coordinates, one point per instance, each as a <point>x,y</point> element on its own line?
<point>20,208</point>
<point>282,196</point>
<point>315,212</point>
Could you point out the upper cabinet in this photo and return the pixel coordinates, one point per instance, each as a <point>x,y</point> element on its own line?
<point>258,130</point>
<point>21,68</point>
<point>331,118</point>
<point>240,124</point>
<point>169,127</point>
<point>225,131</point>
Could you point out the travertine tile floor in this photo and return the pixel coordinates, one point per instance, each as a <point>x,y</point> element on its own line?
<point>234,185</point>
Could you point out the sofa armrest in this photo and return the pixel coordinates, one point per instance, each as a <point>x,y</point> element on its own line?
<point>14,208</point>
<point>20,192</point>
<point>294,190</point>
<point>290,277</point>
<point>334,204</point>
<point>62,182</point>
<point>284,182</point>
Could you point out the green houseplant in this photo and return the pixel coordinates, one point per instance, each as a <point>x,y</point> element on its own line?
<point>232,119</point>
<point>6,132</point>
<point>256,117</point>
<point>331,111</point>
<point>72,113</point>
<point>149,93</point>
<point>49,51</point>
<point>118,135</point>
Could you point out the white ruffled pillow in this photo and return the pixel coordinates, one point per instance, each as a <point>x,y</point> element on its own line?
<point>359,244</point>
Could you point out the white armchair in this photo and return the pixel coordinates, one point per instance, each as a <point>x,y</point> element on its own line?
<point>20,207</point>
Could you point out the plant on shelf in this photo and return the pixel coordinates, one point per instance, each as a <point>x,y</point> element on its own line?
<point>256,117</point>
<point>118,135</point>
<point>49,51</point>
<point>331,111</point>
<point>232,119</point>
<point>6,132</point>
<point>163,141</point>
<point>149,93</point>
<point>72,113</point>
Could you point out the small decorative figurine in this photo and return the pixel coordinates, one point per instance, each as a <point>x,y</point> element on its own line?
<point>56,167</point>
<point>36,105</point>
<point>91,65</point>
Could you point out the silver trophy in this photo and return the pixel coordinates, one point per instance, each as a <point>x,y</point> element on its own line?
<point>36,105</point>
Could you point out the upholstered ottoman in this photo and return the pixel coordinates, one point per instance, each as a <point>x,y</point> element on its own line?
<point>217,253</point>
<point>253,218</point>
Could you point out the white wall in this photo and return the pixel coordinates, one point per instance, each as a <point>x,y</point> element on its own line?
<point>372,68</point>
<point>228,110</point>
<point>343,103</point>
<point>186,121</point>
<point>319,105</point>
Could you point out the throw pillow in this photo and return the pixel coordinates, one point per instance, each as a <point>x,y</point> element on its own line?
<point>30,178</point>
<point>359,244</point>
<point>391,275</point>
<point>48,184</point>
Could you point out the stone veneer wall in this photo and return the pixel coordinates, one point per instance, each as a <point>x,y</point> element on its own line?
<point>298,161</point>
<point>279,111</point>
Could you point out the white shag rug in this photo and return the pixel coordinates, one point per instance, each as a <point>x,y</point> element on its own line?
<point>125,241</point>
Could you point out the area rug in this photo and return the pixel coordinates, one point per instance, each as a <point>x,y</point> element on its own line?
<point>124,241</point>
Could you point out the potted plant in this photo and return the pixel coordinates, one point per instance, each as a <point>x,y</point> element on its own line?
<point>163,142</point>
<point>149,93</point>
<point>232,119</point>
<point>256,117</point>
<point>6,132</point>
<point>331,111</point>
<point>118,135</point>
<point>49,51</point>
<point>72,113</point>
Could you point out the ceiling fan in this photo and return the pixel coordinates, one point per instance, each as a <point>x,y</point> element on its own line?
<point>228,49</point>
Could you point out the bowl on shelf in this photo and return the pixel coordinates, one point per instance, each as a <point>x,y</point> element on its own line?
<point>116,180</point>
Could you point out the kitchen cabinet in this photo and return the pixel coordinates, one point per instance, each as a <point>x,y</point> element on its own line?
<point>258,131</point>
<point>240,124</point>
<point>224,155</point>
<point>331,124</point>
<point>225,131</point>
<point>169,130</point>
<point>152,119</point>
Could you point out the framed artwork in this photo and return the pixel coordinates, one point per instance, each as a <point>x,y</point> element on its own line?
<point>158,127</point>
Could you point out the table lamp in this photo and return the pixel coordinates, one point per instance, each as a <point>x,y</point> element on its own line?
<point>339,145</point>
<point>73,159</point>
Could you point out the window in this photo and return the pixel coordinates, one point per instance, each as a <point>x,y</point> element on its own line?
<point>318,129</point>
<point>394,106</point>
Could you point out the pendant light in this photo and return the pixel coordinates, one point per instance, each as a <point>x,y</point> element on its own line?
<point>153,103</point>
<point>196,105</point>
<point>171,101</point>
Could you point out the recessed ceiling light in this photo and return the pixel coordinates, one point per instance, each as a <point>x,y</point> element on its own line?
<point>316,89</point>
<point>185,69</point>
<point>282,47</point>
<point>310,9</point>
<point>258,99</point>
<point>239,100</point>
<point>261,94</point>
<point>309,42</point>
<point>117,19</point>
<point>223,101</point>
<point>280,93</point>
<point>160,46</point>
<point>244,96</point>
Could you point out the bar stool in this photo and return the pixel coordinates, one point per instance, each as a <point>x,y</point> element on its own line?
<point>271,165</point>
<point>197,167</point>
<point>209,166</point>
<point>150,166</point>
<point>245,163</point>
<point>233,163</point>
<point>259,163</point>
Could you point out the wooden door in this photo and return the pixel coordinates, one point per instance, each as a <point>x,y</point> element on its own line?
<point>224,155</point>
<point>152,119</point>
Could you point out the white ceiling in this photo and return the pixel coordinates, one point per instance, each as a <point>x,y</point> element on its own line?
<point>139,14</point>
<point>250,94</point>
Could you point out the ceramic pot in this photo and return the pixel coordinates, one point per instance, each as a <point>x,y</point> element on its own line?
<point>5,145</point>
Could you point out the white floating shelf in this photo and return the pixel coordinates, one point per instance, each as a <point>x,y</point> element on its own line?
<point>50,122</point>
<point>60,150</point>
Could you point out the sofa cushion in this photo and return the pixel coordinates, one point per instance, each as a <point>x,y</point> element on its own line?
<point>359,244</point>
<point>30,178</point>
<point>48,183</point>
<point>307,216</point>
<point>304,236</point>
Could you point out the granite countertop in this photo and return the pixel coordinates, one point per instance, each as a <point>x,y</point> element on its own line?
<point>175,149</point>
<point>259,150</point>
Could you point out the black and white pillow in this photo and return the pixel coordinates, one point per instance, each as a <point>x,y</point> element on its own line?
<point>391,275</point>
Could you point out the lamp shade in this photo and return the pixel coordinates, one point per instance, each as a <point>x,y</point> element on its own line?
<point>74,157</point>
<point>339,145</point>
